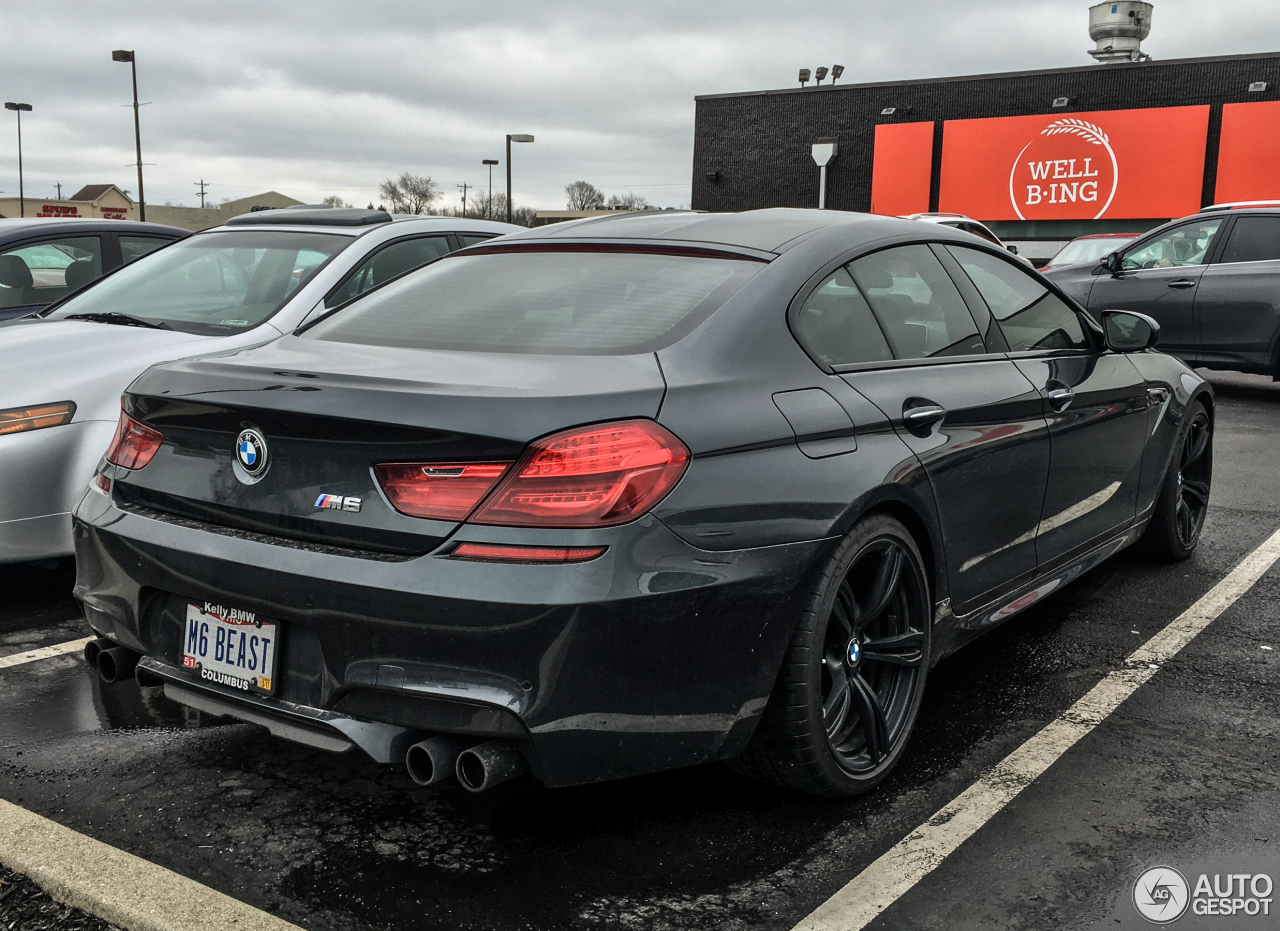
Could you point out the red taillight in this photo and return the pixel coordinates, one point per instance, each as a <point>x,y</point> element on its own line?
<point>494,552</point>
<point>439,490</point>
<point>593,476</point>
<point>134,443</point>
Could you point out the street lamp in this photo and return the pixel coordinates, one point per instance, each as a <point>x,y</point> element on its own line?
<point>824,150</point>
<point>513,137</point>
<point>19,107</point>
<point>488,207</point>
<point>127,55</point>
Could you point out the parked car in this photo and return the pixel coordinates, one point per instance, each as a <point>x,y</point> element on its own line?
<point>958,221</point>
<point>1212,280</point>
<point>43,259</point>
<point>1089,250</point>
<point>263,274</point>
<point>628,494</point>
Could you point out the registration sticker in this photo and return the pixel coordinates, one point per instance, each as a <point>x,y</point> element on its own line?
<point>228,646</point>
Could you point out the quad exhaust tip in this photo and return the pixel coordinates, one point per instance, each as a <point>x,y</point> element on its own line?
<point>113,663</point>
<point>434,759</point>
<point>489,764</point>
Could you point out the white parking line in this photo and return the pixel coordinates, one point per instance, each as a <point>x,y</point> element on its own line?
<point>58,649</point>
<point>125,890</point>
<point>920,852</point>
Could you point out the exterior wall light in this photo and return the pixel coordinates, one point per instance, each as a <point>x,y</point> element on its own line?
<point>823,151</point>
<point>1257,87</point>
<point>804,76</point>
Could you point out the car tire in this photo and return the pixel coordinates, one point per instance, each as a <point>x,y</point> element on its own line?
<point>839,716</point>
<point>1183,499</point>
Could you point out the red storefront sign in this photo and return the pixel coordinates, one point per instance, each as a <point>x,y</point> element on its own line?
<point>1249,153</point>
<point>900,168</point>
<point>1119,164</point>
<point>57,210</point>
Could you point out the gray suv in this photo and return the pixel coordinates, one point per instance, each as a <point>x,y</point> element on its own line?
<point>1212,281</point>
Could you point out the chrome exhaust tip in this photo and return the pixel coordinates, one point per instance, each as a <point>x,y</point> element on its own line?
<point>489,764</point>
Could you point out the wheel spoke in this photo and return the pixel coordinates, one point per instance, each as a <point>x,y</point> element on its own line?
<point>1182,514</point>
<point>871,717</point>
<point>845,608</point>
<point>899,650</point>
<point>1196,443</point>
<point>835,710</point>
<point>885,586</point>
<point>1197,491</point>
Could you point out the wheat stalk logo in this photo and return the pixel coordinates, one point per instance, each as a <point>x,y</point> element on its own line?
<point>1090,132</point>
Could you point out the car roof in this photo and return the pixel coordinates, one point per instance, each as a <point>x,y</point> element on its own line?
<point>12,228</point>
<point>768,230</point>
<point>357,222</point>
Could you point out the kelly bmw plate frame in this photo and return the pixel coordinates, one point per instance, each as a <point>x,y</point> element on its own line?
<point>231,647</point>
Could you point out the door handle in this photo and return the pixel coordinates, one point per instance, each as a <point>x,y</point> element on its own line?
<point>1182,283</point>
<point>921,415</point>
<point>1060,398</point>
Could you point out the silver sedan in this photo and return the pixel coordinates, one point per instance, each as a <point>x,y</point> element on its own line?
<point>222,290</point>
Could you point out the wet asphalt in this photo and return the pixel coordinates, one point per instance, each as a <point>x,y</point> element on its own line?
<point>1184,773</point>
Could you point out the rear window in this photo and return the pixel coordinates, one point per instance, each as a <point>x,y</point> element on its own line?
<point>574,301</point>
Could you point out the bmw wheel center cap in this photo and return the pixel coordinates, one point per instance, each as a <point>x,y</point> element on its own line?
<point>251,452</point>
<point>854,652</point>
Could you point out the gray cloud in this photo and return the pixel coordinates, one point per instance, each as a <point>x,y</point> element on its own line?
<point>320,98</point>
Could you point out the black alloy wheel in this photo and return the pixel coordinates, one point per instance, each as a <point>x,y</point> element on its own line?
<point>1183,499</point>
<point>850,686</point>
<point>1193,480</point>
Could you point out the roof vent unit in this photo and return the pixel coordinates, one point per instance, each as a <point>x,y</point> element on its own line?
<point>1119,28</point>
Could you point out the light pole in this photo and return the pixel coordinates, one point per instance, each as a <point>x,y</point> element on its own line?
<point>488,207</point>
<point>18,108</point>
<point>823,150</point>
<point>127,55</point>
<point>516,137</point>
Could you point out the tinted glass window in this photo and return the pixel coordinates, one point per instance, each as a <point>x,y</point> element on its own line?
<point>573,301</point>
<point>836,325</point>
<point>1253,239</point>
<point>1029,315</point>
<point>981,232</point>
<point>1080,251</point>
<point>47,271</point>
<point>212,283</point>
<point>1183,245</point>
<point>917,304</point>
<point>135,247</point>
<point>387,263</point>
<point>470,239</point>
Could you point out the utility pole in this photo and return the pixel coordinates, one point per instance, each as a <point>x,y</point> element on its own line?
<point>58,185</point>
<point>128,55</point>
<point>463,187</point>
<point>201,184</point>
<point>488,207</point>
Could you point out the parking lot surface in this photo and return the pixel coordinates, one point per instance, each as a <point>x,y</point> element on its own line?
<point>1184,771</point>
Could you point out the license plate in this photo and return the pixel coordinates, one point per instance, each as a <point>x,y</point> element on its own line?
<point>231,647</point>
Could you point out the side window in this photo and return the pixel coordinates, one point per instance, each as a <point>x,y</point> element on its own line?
<point>1029,315</point>
<point>470,239</point>
<point>836,325</point>
<point>981,232</point>
<point>1253,239</point>
<point>133,248</point>
<point>44,272</point>
<point>1185,245</point>
<point>387,263</point>
<point>917,304</point>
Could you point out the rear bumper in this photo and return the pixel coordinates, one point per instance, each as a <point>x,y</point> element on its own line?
<point>654,656</point>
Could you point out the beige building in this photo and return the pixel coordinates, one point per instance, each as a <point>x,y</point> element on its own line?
<point>106,201</point>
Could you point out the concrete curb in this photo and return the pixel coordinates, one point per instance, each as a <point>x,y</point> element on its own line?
<point>116,886</point>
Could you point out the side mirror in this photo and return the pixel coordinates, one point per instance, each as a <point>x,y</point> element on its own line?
<point>1013,249</point>
<point>1112,262</point>
<point>1129,332</point>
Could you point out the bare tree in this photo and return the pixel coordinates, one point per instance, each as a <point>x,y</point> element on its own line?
<point>413,194</point>
<point>628,201</point>
<point>583,195</point>
<point>333,200</point>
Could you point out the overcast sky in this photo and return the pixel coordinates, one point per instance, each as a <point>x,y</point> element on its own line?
<point>316,98</point>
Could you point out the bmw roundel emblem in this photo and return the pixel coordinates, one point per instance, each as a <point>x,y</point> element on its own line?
<point>251,451</point>
<point>855,651</point>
